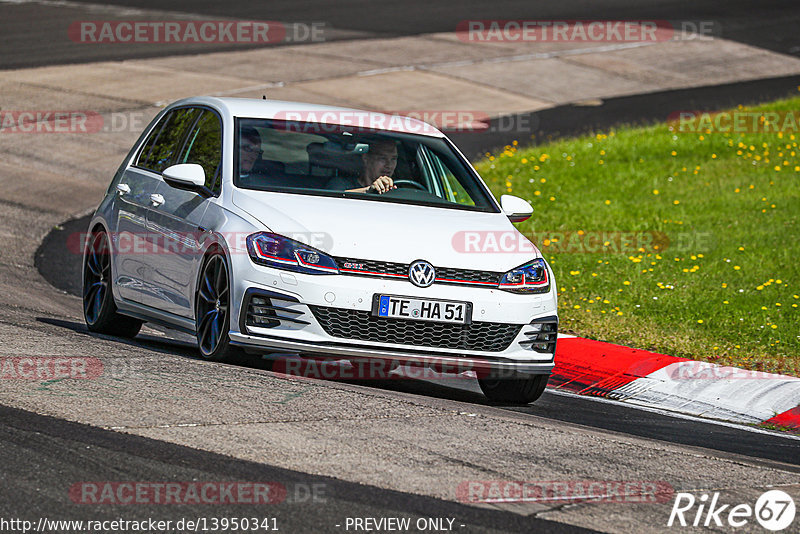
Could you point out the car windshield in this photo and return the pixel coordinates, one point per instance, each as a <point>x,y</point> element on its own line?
<point>331,160</point>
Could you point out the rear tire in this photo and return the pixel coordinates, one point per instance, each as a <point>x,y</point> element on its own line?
<point>212,312</point>
<point>99,309</point>
<point>514,390</point>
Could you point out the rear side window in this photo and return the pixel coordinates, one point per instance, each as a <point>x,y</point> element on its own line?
<point>162,146</point>
<point>204,147</point>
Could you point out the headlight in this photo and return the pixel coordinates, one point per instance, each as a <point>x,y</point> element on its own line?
<point>283,253</point>
<point>529,278</point>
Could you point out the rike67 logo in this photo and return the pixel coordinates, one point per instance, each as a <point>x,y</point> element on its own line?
<point>774,510</point>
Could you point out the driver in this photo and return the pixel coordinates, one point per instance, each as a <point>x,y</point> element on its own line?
<point>379,164</point>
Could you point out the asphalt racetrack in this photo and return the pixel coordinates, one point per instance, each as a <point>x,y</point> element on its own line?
<point>371,448</point>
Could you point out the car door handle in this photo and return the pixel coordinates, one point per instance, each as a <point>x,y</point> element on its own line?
<point>123,189</point>
<point>156,199</point>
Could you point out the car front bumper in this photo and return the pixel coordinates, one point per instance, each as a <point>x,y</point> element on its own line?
<point>299,331</point>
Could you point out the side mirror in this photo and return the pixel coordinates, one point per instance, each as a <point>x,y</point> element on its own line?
<point>515,208</point>
<point>185,176</point>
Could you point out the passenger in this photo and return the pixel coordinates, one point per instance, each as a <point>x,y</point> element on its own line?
<point>249,151</point>
<point>379,164</point>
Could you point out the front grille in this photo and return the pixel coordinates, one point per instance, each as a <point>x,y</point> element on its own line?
<point>465,275</point>
<point>444,275</point>
<point>371,267</point>
<point>361,325</point>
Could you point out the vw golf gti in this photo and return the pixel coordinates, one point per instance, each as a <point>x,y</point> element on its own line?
<point>287,228</point>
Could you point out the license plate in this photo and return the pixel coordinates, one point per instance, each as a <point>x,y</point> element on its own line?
<point>440,311</point>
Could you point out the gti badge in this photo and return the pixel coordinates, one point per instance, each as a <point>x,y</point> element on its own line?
<point>421,273</point>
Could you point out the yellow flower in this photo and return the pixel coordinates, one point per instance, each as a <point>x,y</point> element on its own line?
<point>700,321</point>
<point>626,283</point>
<point>608,202</point>
<point>774,326</point>
<point>655,191</point>
<point>674,153</point>
<point>736,268</point>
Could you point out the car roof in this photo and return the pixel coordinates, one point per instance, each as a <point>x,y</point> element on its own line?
<point>305,112</point>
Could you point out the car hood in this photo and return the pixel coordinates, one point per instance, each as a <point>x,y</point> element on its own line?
<point>364,229</point>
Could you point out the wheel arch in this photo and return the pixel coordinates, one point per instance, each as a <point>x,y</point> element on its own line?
<point>216,245</point>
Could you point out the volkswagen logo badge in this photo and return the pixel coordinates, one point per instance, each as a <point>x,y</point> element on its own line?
<point>421,273</point>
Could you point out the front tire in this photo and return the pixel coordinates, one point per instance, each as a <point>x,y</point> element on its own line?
<point>99,309</point>
<point>213,311</point>
<point>514,390</point>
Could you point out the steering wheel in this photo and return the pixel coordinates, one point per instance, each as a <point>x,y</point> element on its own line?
<point>409,183</point>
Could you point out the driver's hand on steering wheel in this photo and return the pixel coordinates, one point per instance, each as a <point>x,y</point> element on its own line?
<point>381,185</point>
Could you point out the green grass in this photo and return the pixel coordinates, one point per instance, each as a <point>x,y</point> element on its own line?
<point>724,288</point>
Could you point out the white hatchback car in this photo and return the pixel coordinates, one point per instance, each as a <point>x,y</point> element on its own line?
<point>278,227</point>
